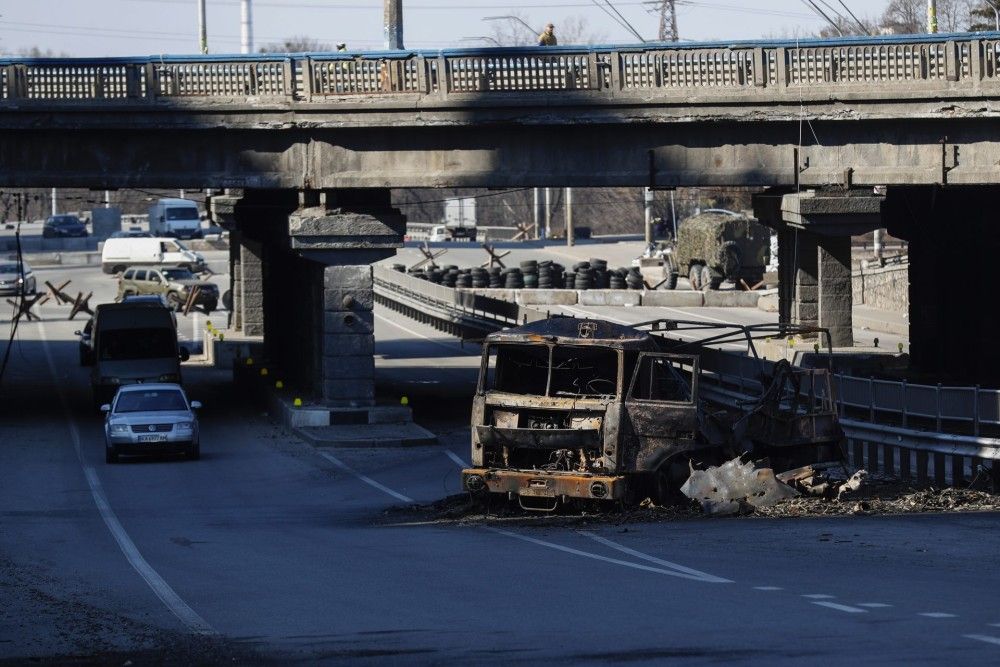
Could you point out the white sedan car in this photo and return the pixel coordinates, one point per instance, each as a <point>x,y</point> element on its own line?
<point>148,419</point>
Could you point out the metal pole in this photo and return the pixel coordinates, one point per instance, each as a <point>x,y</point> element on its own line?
<point>393,24</point>
<point>107,199</point>
<point>932,22</point>
<point>55,209</point>
<point>648,198</point>
<point>673,213</point>
<point>202,28</point>
<point>878,244</point>
<point>540,212</point>
<point>246,27</point>
<point>570,236</point>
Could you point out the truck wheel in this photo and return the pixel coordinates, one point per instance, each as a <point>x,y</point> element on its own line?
<point>694,276</point>
<point>671,281</point>
<point>118,268</point>
<point>209,307</point>
<point>707,281</point>
<point>194,452</point>
<point>227,299</point>
<point>110,455</point>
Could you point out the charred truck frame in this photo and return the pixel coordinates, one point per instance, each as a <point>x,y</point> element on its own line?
<point>590,410</point>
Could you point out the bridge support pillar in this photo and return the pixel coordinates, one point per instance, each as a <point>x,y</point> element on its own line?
<point>814,254</point>
<point>953,251</point>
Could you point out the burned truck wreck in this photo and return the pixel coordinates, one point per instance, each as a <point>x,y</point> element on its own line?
<point>570,409</point>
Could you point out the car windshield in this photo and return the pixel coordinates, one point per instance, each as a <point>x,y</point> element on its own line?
<point>140,343</point>
<point>182,213</point>
<point>153,400</point>
<point>66,220</point>
<point>563,370</point>
<point>178,274</point>
<point>10,268</point>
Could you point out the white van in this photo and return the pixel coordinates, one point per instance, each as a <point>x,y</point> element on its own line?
<point>124,252</point>
<point>175,217</point>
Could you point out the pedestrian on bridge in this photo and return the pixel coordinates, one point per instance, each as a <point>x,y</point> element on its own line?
<point>548,37</point>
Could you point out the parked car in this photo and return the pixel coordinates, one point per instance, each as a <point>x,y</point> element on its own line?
<point>438,234</point>
<point>151,419</point>
<point>63,226</point>
<point>119,254</point>
<point>173,285</point>
<point>16,280</point>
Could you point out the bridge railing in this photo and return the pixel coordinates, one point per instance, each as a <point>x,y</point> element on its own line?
<point>817,66</point>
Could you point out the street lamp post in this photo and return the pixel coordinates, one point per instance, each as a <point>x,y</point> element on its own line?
<point>393,10</point>
<point>246,27</point>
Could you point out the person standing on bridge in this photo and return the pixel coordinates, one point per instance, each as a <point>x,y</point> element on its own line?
<point>548,37</point>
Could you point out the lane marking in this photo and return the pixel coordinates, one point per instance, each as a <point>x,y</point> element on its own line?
<point>994,625</point>
<point>593,556</point>
<point>184,613</point>
<point>984,638</point>
<point>365,478</point>
<point>874,605</point>
<point>768,588</point>
<point>456,458</point>
<point>451,347</point>
<point>840,607</point>
<point>937,614</point>
<point>711,578</point>
<point>819,596</point>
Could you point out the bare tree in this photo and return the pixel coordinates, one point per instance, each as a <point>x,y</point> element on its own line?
<point>905,17</point>
<point>296,44</point>
<point>982,16</point>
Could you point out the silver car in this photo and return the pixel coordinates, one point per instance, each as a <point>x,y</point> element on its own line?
<point>151,419</point>
<point>12,282</point>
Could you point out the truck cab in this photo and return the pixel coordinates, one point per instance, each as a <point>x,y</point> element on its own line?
<point>581,409</point>
<point>178,218</point>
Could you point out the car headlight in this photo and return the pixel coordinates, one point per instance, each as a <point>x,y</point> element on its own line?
<point>118,429</point>
<point>20,281</point>
<point>169,377</point>
<point>185,426</point>
<point>110,380</point>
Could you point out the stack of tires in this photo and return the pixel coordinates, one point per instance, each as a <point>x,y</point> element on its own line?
<point>633,279</point>
<point>616,278</point>
<point>480,277</point>
<point>513,278</point>
<point>496,279</point>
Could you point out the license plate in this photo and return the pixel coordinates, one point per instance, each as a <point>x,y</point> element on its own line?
<point>153,437</point>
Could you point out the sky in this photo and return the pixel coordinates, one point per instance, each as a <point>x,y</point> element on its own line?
<point>93,28</point>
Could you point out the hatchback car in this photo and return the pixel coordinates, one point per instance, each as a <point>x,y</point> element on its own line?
<point>63,226</point>
<point>16,280</point>
<point>146,419</point>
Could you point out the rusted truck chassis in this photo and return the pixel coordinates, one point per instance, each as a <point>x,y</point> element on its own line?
<point>590,410</point>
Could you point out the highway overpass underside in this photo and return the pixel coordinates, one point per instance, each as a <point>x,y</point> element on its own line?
<point>302,278</point>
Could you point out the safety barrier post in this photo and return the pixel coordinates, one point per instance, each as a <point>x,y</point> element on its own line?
<point>902,401</point>
<point>937,401</point>
<point>975,411</point>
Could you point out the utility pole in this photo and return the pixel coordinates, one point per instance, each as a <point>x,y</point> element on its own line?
<point>55,209</point>
<point>539,213</point>
<point>246,27</point>
<point>648,198</point>
<point>932,24</point>
<point>202,28</point>
<point>668,21</point>
<point>570,237</point>
<point>393,24</point>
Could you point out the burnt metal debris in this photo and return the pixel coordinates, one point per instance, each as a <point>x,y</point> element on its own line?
<point>584,410</point>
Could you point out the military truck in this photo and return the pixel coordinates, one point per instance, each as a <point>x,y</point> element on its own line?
<point>710,247</point>
<point>574,410</point>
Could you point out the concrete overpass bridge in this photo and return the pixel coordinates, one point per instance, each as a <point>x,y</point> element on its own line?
<point>317,140</point>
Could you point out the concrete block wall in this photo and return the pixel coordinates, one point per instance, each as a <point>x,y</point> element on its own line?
<point>885,288</point>
<point>251,287</point>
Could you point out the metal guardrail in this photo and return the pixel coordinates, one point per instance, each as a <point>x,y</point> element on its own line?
<point>882,66</point>
<point>898,447</point>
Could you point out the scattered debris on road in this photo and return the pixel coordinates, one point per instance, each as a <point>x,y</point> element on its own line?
<point>735,487</point>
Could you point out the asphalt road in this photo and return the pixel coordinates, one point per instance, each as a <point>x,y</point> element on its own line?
<point>268,550</point>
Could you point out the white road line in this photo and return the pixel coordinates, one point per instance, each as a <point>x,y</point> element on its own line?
<point>819,596</point>
<point>710,578</point>
<point>768,588</point>
<point>452,347</point>
<point>984,638</point>
<point>365,478</point>
<point>841,607</point>
<point>593,556</point>
<point>937,614</point>
<point>455,457</point>
<point>994,625</point>
<point>874,605</point>
<point>184,613</point>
